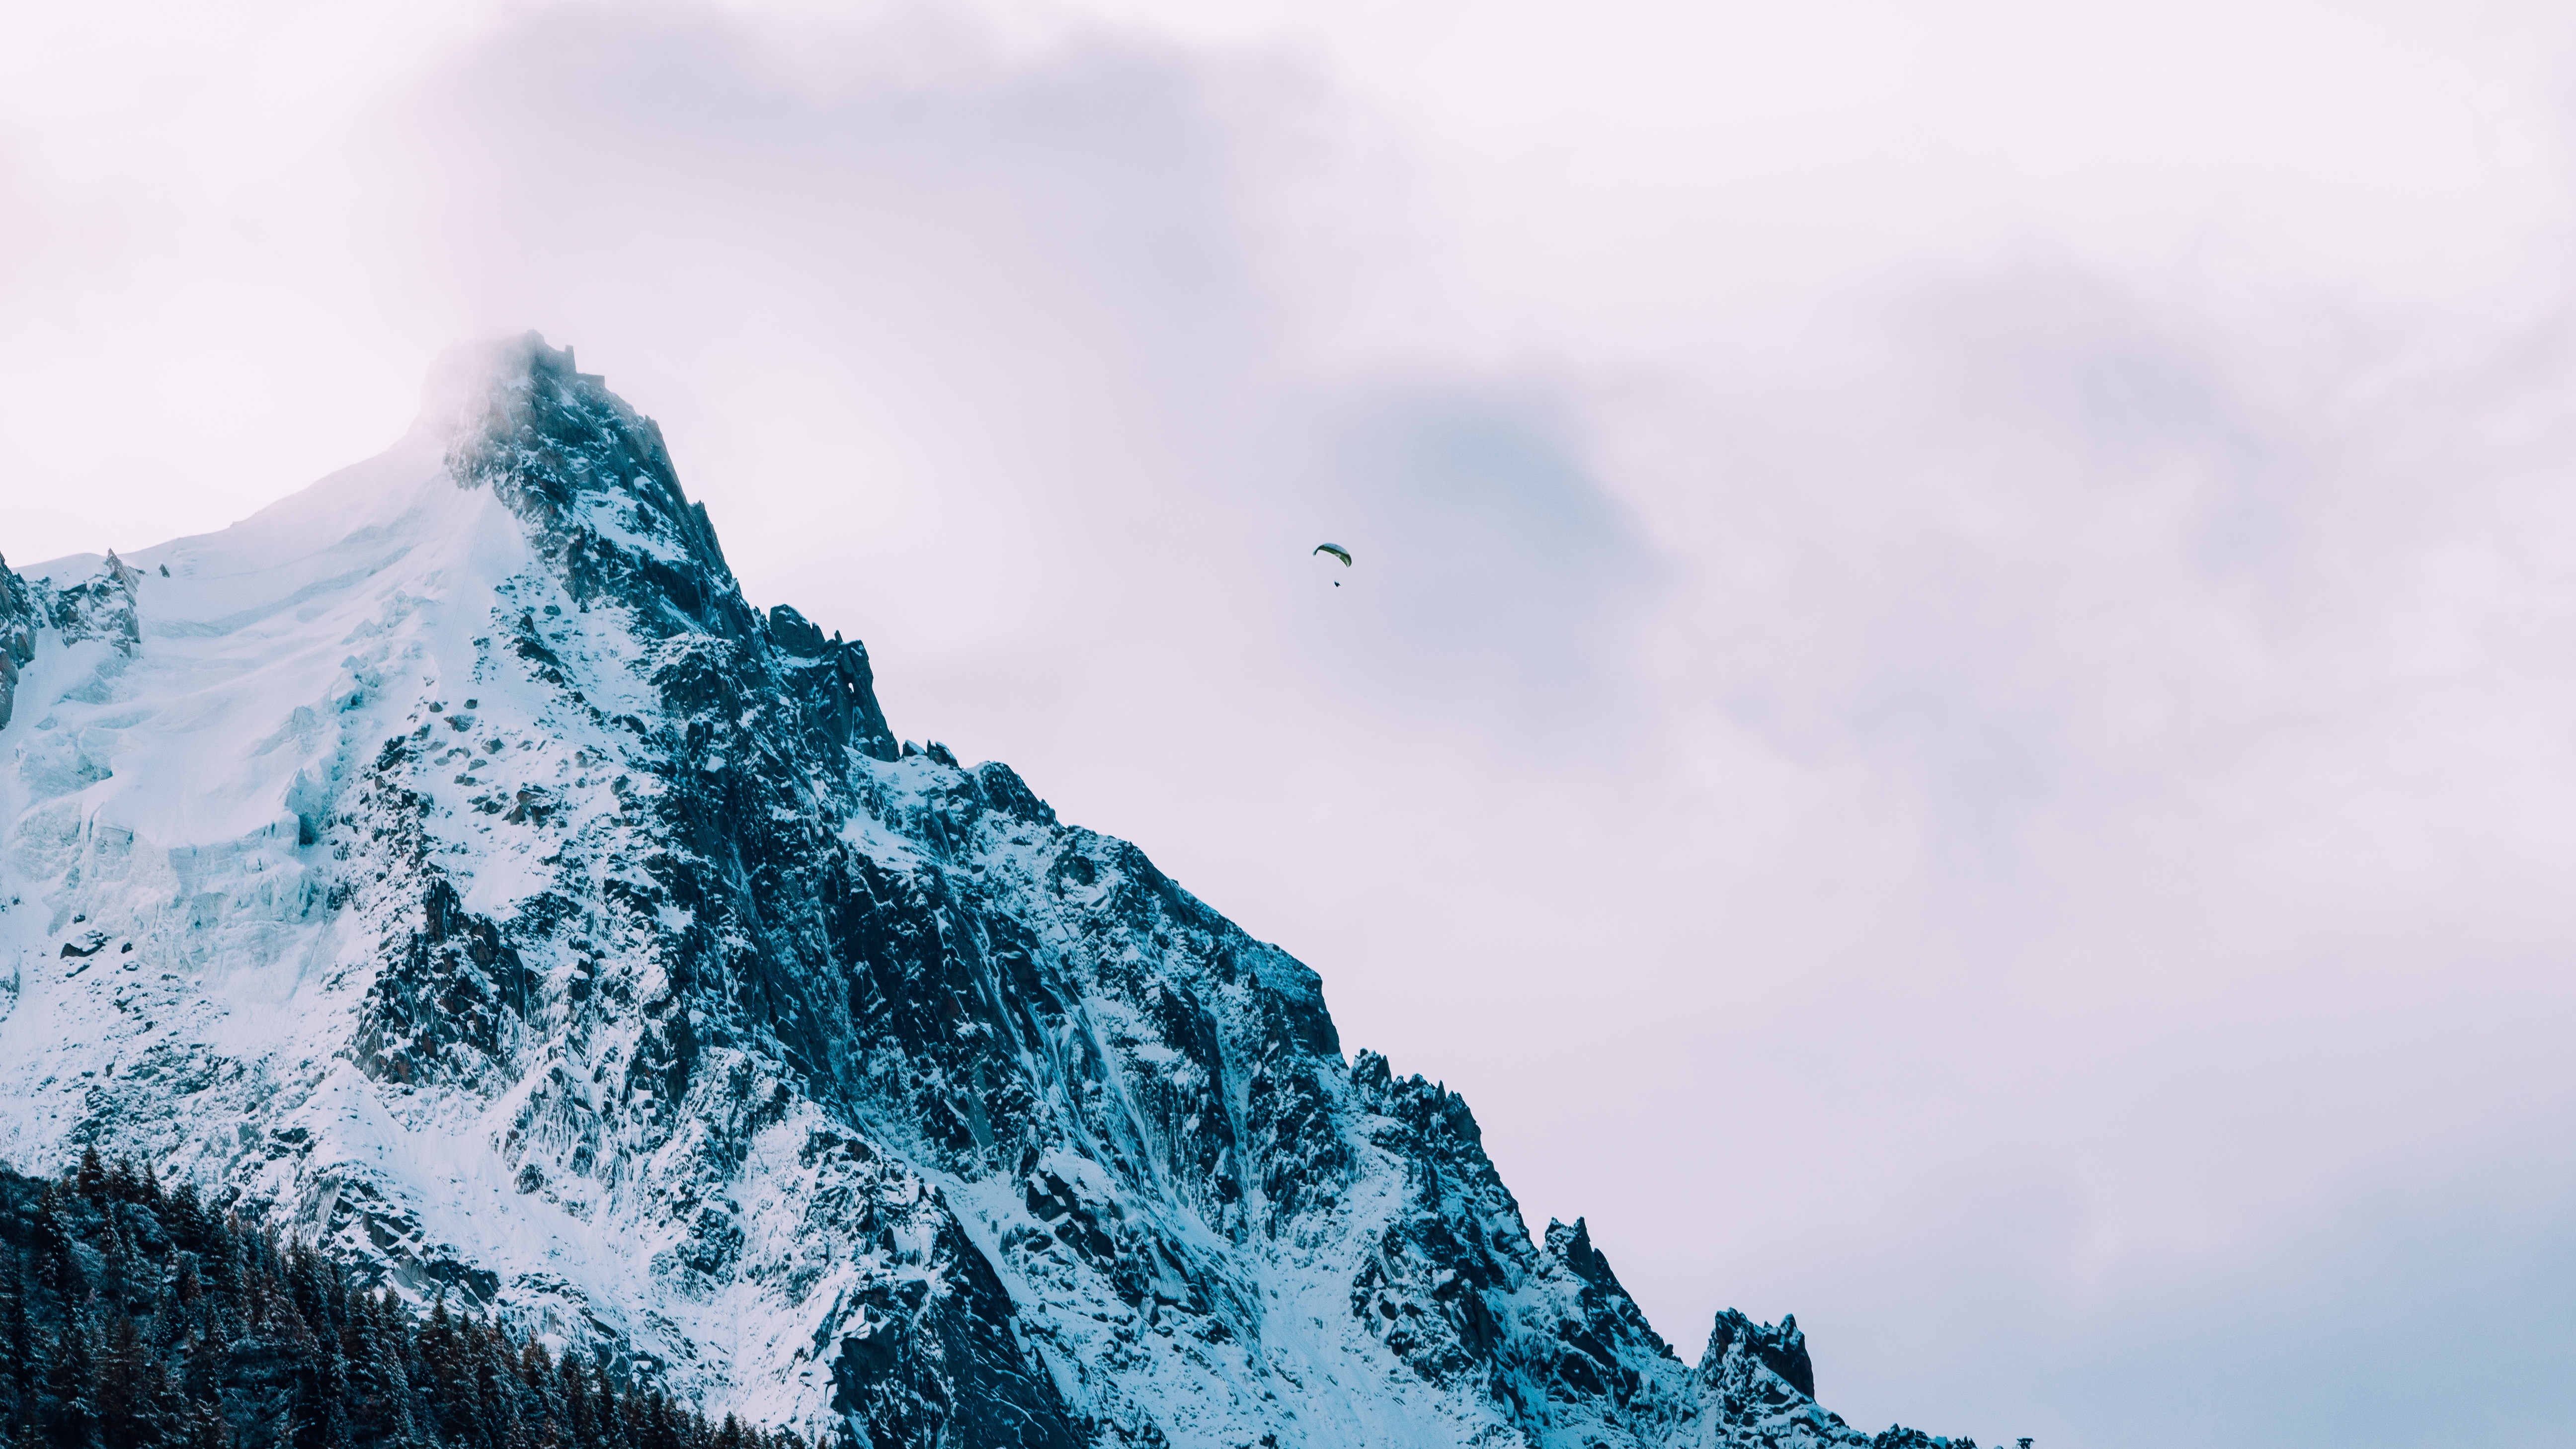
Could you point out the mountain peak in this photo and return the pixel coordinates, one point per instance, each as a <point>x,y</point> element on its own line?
<point>473,382</point>
<point>448,867</point>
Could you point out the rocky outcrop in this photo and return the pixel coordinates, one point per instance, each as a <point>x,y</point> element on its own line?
<point>18,621</point>
<point>96,608</point>
<point>101,607</point>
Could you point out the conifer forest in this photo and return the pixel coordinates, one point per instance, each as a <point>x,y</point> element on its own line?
<point>131,1316</point>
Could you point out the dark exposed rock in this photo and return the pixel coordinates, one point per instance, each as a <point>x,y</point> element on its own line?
<point>834,684</point>
<point>100,607</point>
<point>1781,1349</point>
<point>935,1360</point>
<point>96,608</point>
<point>18,622</point>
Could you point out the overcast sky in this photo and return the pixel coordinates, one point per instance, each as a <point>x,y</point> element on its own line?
<point>1957,712</point>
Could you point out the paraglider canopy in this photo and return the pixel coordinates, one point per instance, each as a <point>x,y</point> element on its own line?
<point>1337,551</point>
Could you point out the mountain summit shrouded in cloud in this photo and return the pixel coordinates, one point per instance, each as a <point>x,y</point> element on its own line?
<point>448,869</point>
<point>1962,614</point>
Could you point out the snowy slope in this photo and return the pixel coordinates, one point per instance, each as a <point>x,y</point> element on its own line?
<point>447,861</point>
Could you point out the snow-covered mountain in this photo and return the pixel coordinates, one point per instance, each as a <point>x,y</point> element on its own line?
<point>448,863</point>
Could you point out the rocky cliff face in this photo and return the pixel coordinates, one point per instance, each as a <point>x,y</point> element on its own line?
<point>450,863</point>
<point>18,621</point>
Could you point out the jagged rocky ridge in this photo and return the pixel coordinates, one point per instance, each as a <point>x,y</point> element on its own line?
<point>448,865</point>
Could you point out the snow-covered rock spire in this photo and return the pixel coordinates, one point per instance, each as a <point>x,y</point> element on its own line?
<point>448,862</point>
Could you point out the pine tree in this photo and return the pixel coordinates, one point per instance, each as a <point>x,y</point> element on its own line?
<point>186,1219</point>
<point>612,1425</point>
<point>113,1264</point>
<point>17,1346</point>
<point>70,1413</point>
<point>201,1379</point>
<point>584,1433</point>
<point>121,1398</point>
<point>206,1428</point>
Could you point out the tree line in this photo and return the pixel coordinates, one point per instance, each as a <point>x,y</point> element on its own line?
<point>133,1317</point>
